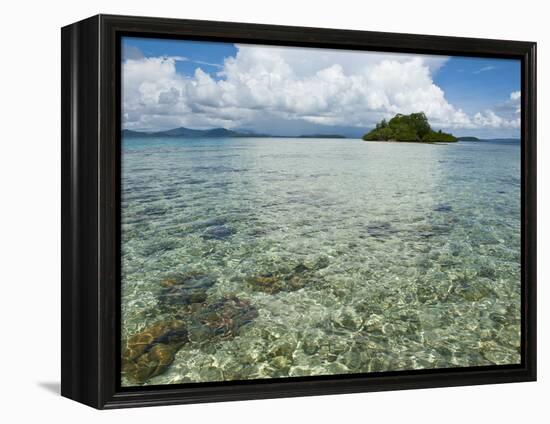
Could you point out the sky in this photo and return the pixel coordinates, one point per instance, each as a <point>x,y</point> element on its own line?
<point>297,91</point>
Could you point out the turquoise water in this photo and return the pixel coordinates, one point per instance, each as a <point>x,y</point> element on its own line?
<point>329,256</point>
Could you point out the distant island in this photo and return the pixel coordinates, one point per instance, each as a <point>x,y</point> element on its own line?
<point>190,133</point>
<point>468,139</point>
<point>412,128</point>
<point>183,132</point>
<point>321,136</point>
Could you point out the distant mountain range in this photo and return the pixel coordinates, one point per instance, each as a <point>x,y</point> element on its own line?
<point>213,133</point>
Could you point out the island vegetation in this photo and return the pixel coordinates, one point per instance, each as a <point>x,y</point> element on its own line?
<point>468,138</point>
<point>413,128</point>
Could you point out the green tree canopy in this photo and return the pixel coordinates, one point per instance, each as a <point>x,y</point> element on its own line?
<point>413,127</point>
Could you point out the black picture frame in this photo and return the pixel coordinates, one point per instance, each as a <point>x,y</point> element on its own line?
<point>90,139</point>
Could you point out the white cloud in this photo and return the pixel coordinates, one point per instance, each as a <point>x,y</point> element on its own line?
<point>176,58</point>
<point>509,111</point>
<point>485,69</point>
<point>515,101</point>
<point>508,116</point>
<point>215,65</point>
<point>328,87</point>
<point>492,120</point>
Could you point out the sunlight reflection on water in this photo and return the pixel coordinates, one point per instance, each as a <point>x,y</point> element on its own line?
<point>357,257</point>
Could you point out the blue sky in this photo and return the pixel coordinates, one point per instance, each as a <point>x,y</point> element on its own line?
<point>478,83</point>
<point>206,55</point>
<point>293,91</point>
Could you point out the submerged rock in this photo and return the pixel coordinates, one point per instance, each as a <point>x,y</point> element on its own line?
<point>222,319</point>
<point>380,229</point>
<point>211,222</point>
<point>283,348</point>
<point>443,207</point>
<point>284,280</point>
<point>322,263</point>
<point>475,290</point>
<point>347,318</point>
<point>185,289</point>
<point>312,339</point>
<point>275,283</point>
<point>215,228</point>
<point>268,283</point>
<point>300,269</point>
<point>219,232</point>
<point>151,351</point>
<point>281,363</point>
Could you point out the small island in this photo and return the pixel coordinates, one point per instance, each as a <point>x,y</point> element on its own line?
<point>411,128</point>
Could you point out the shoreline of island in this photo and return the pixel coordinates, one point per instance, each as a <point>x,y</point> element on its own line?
<point>413,128</point>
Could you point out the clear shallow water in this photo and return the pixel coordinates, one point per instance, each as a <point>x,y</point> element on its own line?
<point>352,256</point>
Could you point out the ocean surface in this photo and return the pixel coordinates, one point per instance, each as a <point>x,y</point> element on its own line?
<point>301,257</point>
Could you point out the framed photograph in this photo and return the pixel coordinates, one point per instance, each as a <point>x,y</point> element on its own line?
<point>254,211</point>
